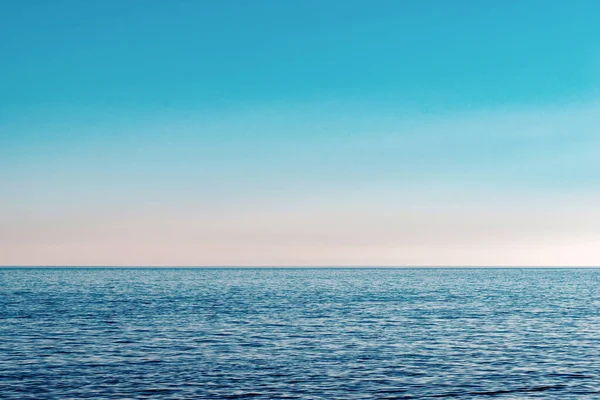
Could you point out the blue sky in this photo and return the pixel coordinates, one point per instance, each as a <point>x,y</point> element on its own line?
<point>299,133</point>
<point>137,56</point>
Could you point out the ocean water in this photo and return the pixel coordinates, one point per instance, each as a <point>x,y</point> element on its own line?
<point>299,333</point>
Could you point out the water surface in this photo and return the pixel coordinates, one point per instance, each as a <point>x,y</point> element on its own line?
<point>299,333</point>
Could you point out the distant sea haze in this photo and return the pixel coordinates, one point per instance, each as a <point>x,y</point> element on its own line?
<point>329,333</point>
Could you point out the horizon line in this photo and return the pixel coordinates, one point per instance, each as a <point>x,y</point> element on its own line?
<point>303,266</point>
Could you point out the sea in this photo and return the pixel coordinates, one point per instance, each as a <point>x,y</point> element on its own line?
<point>299,333</point>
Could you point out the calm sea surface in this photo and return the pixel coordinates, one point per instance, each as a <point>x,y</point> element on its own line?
<point>299,333</point>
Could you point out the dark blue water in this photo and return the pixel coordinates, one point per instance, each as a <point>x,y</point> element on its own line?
<point>299,333</point>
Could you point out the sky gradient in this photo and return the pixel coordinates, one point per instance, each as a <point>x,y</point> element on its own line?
<point>308,133</point>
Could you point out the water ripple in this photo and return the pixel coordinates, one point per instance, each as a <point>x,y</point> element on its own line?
<point>299,333</point>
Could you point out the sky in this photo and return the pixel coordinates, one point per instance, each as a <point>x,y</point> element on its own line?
<point>300,133</point>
